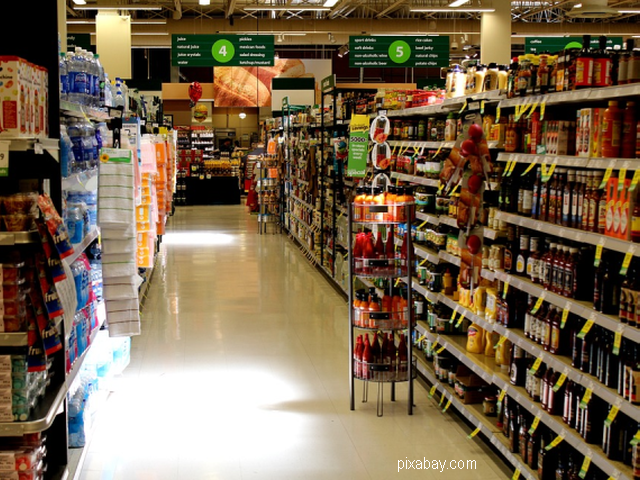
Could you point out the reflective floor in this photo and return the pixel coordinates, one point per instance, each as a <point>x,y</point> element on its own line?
<point>241,373</point>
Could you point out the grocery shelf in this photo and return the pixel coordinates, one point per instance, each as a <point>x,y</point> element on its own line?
<point>580,96</point>
<point>16,238</point>
<point>305,247</point>
<point>301,222</point>
<point>299,200</point>
<point>422,290</point>
<point>72,109</point>
<point>571,161</point>
<point>38,144</point>
<point>42,416</point>
<point>79,248</point>
<point>447,257</point>
<point>434,219</point>
<point>449,105</point>
<point>77,365</point>
<point>429,182</point>
<point>577,307</point>
<point>476,417</point>
<point>420,144</point>
<point>431,218</point>
<point>13,339</point>
<point>424,252</point>
<point>581,236</point>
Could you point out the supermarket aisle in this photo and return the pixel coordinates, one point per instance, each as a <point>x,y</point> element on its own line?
<point>241,373</point>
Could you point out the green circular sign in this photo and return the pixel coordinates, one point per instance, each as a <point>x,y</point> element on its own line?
<point>399,51</point>
<point>223,51</point>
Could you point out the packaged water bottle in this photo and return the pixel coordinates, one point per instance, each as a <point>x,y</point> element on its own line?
<point>75,135</point>
<point>64,77</point>
<point>78,74</point>
<point>73,223</point>
<point>88,86</point>
<point>118,100</point>
<point>68,57</point>
<point>91,78</point>
<point>89,144</point>
<point>106,89</point>
<point>66,151</point>
<point>100,77</point>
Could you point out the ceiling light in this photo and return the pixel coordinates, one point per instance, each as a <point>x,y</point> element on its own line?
<point>577,5</point>
<point>457,3</point>
<point>280,38</point>
<point>117,7</point>
<point>292,8</point>
<point>331,38</point>
<point>242,115</point>
<point>80,2</point>
<point>438,9</point>
<point>204,2</point>
<point>343,50</point>
<point>330,3</point>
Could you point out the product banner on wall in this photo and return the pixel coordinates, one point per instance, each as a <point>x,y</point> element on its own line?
<point>251,86</point>
<point>228,50</point>
<point>384,51</point>
<point>358,146</point>
<point>556,44</point>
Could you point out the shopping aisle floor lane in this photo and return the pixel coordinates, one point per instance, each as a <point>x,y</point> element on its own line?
<point>241,373</point>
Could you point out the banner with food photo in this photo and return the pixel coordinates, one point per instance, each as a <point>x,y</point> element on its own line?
<point>251,86</point>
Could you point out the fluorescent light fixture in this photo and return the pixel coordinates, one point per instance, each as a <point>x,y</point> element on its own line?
<point>577,5</point>
<point>117,7</point>
<point>242,115</point>
<point>73,21</point>
<point>458,3</point>
<point>330,3</point>
<point>438,9</point>
<point>292,8</point>
<point>629,10</point>
<point>204,2</point>
<point>80,2</point>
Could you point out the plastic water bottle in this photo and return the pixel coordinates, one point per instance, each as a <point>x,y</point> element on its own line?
<point>66,152</point>
<point>89,144</point>
<point>75,135</point>
<point>77,70</point>
<point>100,82</point>
<point>91,79</point>
<point>106,89</point>
<point>68,57</point>
<point>64,77</point>
<point>118,100</point>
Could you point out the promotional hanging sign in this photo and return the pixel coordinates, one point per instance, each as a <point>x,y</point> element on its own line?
<point>397,51</point>
<point>358,146</point>
<point>556,44</point>
<point>222,50</point>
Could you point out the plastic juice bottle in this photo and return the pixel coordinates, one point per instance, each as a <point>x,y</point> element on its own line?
<point>368,252</point>
<point>379,199</point>
<point>611,130</point>
<point>368,201</point>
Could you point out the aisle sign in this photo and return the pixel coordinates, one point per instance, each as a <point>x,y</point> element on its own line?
<point>82,40</point>
<point>222,51</point>
<point>384,51</point>
<point>556,44</point>
<point>358,146</point>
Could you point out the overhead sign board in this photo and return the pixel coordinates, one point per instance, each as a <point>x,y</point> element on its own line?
<point>222,50</point>
<point>556,44</point>
<point>398,51</point>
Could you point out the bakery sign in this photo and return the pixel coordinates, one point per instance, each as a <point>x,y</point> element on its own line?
<point>222,50</point>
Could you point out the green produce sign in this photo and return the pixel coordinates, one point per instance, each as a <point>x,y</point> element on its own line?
<point>374,52</point>
<point>222,51</point>
<point>328,83</point>
<point>556,44</point>
<point>358,146</point>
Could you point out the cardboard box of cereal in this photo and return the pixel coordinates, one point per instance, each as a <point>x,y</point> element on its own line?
<point>15,96</point>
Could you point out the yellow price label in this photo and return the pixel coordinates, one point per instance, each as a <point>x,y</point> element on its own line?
<point>453,315</point>
<point>421,338</point>
<point>635,180</point>
<point>460,319</point>
<point>446,407</point>
<point>518,112</point>
<point>585,329</point>
<point>434,345</point>
<point>617,340</point>
<point>516,474</point>
<point>560,382</point>
<point>432,392</point>
<point>482,104</point>
<point>612,415</point>
<point>543,108</point>
<point>474,433</point>
<point>586,398</point>
<point>398,281</point>
<point>534,425</point>
<point>513,167</point>
<point>538,304</point>
<point>605,179</point>
<point>598,257</point>
<point>440,350</point>
<point>627,260</point>
<point>439,148</point>
<point>505,289</point>
<point>500,342</point>
<point>536,366</point>
<point>454,189</point>
<point>585,467</point>
<point>636,438</point>
<point>552,169</point>
<point>464,107</point>
<point>533,109</point>
<point>498,115</point>
<point>423,261</point>
<point>423,224</point>
<point>565,316</point>
<point>529,168</point>
<point>554,443</point>
<point>622,175</point>
<point>502,395</point>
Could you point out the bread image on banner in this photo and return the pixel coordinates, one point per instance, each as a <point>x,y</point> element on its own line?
<point>251,86</point>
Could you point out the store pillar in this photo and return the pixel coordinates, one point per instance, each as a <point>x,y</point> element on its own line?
<point>495,34</point>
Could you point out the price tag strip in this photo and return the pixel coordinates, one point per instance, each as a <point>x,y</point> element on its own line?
<point>538,304</point>
<point>585,465</point>
<point>612,415</point>
<point>585,329</point>
<point>617,340</point>
<point>534,425</point>
<point>432,392</point>
<point>599,247</point>
<point>605,179</point>
<point>634,181</point>
<point>627,260</point>
<point>565,314</point>
<point>554,443</point>
<point>584,401</point>
<point>561,379</point>
<point>446,407</point>
<point>516,474</point>
<point>474,433</point>
<point>536,366</point>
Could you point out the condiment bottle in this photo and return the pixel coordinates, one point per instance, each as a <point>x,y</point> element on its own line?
<point>629,131</point>
<point>602,65</point>
<point>611,130</point>
<point>584,64</point>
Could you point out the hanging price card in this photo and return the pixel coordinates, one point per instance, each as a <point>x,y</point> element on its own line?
<point>585,466</point>
<point>432,392</point>
<point>543,108</point>
<point>585,329</point>
<point>636,438</point>
<point>536,366</point>
<point>497,115</point>
<point>565,315</point>
<point>534,425</point>
<point>599,248</point>
<point>464,107</point>
<point>516,474</point>
<point>622,175</point>
<point>627,260</point>
<point>617,340</point>
<point>423,261</point>
<point>554,443</point>
<point>505,290</point>
<point>533,109</point>
<point>440,350</point>
<point>500,342</point>
<point>454,189</point>
<point>434,345</point>
<point>455,312</point>
<point>502,395</point>
<point>518,110</point>
<point>460,319</point>
<point>398,281</point>
<point>612,415</point>
<point>423,224</point>
<point>552,168</point>
<point>529,168</point>
<point>421,338</point>
<point>605,179</point>
<point>538,304</point>
<point>482,104</point>
<point>560,382</point>
<point>584,401</point>
<point>474,433</point>
<point>446,407</point>
<point>635,180</point>
<point>442,398</point>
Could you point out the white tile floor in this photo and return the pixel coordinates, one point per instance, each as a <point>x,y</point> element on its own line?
<point>241,373</point>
